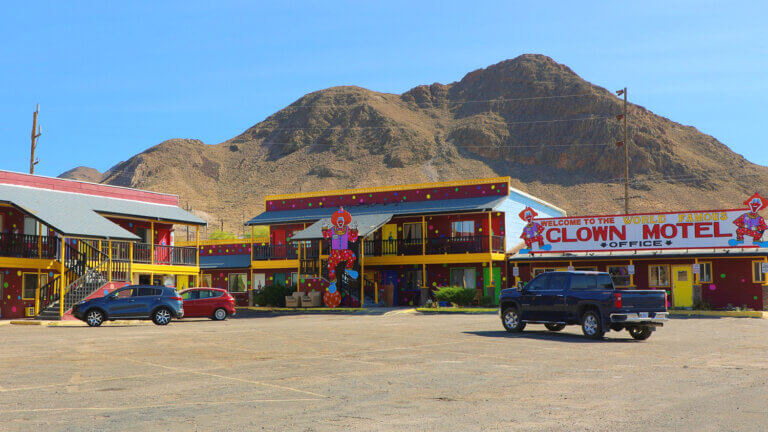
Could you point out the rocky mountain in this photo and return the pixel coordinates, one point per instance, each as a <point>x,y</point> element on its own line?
<point>530,118</point>
<point>83,173</point>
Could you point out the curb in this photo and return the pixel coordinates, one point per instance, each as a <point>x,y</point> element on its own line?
<point>75,323</point>
<point>301,310</point>
<point>435,311</point>
<point>732,314</point>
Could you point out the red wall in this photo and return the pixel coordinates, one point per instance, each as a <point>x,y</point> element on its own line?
<point>11,304</point>
<point>13,220</point>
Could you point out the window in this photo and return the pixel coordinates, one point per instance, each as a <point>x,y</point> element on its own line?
<point>191,295</point>
<point>237,282</point>
<point>146,292</point>
<point>463,277</point>
<point>463,228</point>
<point>557,281</point>
<point>124,293</point>
<point>658,275</point>
<point>757,272</point>
<point>207,280</point>
<point>604,282</point>
<point>29,286</point>
<point>412,232</point>
<point>620,276</point>
<point>540,270</point>
<point>581,282</point>
<point>30,226</point>
<point>143,234</point>
<point>538,283</point>
<point>705,272</point>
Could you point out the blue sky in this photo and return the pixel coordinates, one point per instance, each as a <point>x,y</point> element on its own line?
<point>114,78</point>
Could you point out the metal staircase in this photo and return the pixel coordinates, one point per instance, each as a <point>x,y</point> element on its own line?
<point>86,271</point>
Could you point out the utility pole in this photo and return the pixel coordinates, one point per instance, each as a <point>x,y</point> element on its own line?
<point>36,132</point>
<point>625,144</point>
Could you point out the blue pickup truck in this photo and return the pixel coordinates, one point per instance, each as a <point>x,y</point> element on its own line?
<point>557,299</point>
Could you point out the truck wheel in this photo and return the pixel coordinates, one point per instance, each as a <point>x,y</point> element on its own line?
<point>554,327</point>
<point>640,333</point>
<point>510,318</point>
<point>592,325</point>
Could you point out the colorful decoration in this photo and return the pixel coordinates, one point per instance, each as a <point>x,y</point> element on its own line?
<point>532,232</point>
<point>751,223</point>
<point>340,235</point>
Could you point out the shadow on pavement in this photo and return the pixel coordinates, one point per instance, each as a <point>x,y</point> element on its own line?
<point>548,335</point>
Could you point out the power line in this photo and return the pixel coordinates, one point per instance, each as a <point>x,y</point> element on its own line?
<point>462,102</point>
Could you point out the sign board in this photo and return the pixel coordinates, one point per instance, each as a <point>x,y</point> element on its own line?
<point>631,269</point>
<point>678,230</point>
<point>515,271</point>
<point>764,267</point>
<point>696,269</point>
<point>570,268</point>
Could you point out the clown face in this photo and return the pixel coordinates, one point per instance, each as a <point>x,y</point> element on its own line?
<point>755,204</point>
<point>528,216</point>
<point>340,222</point>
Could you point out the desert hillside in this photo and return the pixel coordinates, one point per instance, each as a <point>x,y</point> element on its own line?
<point>530,118</point>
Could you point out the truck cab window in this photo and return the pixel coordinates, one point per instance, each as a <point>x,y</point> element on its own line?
<point>557,281</point>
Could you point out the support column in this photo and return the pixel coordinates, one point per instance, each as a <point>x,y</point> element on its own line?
<point>197,246</point>
<point>362,272</point>
<point>37,292</point>
<point>109,268</point>
<point>298,270</point>
<point>632,276</point>
<point>61,276</point>
<point>152,242</point>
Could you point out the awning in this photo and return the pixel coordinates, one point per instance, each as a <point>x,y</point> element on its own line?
<point>75,214</point>
<point>399,208</point>
<point>366,224</point>
<point>225,261</point>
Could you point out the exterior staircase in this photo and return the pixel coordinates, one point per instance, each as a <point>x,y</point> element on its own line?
<point>87,269</point>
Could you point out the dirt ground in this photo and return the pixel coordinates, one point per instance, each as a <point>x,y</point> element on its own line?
<point>396,371</point>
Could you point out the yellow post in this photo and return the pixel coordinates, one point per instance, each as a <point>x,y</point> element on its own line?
<point>632,276</point>
<point>423,236</point>
<point>152,242</point>
<point>61,276</point>
<point>109,266</point>
<point>298,271</point>
<point>37,294</point>
<point>197,246</point>
<point>490,236</point>
<point>362,272</point>
<point>376,292</point>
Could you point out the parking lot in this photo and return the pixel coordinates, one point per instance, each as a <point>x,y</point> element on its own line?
<point>394,371</point>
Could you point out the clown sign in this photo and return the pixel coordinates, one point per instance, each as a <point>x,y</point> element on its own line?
<point>708,229</point>
<point>340,236</point>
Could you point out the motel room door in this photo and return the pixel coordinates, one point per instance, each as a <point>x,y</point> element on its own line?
<point>278,243</point>
<point>496,290</point>
<point>389,239</point>
<point>682,286</point>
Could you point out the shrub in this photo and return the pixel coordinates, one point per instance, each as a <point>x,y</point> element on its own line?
<point>273,295</point>
<point>454,294</point>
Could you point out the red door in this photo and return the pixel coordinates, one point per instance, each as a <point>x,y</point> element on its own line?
<point>191,302</point>
<point>278,242</point>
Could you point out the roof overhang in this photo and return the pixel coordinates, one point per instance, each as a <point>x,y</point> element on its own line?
<point>365,224</point>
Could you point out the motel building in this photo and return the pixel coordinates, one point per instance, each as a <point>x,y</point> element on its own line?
<point>62,241</point>
<point>410,238</point>
<point>697,257</point>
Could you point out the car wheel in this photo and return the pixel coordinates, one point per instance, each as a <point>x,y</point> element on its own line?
<point>554,327</point>
<point>161,316</point>
<point>94,317</point>
<point>510,318</point>
<point>220,314</point>
<point>640,332</point>
<point>592,325</point>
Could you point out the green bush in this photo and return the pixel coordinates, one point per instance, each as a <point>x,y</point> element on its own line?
<point>273,295</point>
<point>454,294</point>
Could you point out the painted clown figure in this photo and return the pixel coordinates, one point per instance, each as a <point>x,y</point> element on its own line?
<point>532,232</point>
<point>751,224</point>
<point>340,235</point>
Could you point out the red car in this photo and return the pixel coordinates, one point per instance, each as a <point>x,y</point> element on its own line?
<point>214,303</point>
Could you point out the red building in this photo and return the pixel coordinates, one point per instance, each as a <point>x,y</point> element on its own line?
<point>65,239</point>
<point>697,257</point>
<point>411,237</point>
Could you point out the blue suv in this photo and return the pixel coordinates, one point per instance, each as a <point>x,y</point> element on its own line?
<point>157,303</point>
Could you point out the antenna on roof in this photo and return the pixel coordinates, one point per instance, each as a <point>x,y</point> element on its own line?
<point>36,132</point>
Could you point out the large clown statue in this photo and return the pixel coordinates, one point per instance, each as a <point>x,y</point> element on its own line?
<point>751,223</point>
<point>341,235</point>
<point>532,232</point>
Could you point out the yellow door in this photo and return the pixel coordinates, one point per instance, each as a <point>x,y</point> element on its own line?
<point>389,239</point>
<point>682,286</point>
<point>182,282</point>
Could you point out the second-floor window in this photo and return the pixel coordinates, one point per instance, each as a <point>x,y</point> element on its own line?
<point>462,228</point>
<point>412,232</point>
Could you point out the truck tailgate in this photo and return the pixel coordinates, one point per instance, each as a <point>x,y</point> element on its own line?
<point>643,300</point>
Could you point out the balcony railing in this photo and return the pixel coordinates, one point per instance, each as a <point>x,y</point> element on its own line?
<point>145,253</point>
<point>28,246</point>
<point>274,251</point>
<point>434,246</point>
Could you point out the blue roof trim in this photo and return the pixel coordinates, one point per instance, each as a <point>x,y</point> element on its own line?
<point>225,261</point>
<point>400,208</point>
